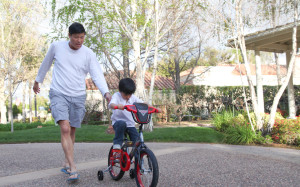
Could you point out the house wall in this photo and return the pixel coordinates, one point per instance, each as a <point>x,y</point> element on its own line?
<point>94,97</point>
<point>223,76</point>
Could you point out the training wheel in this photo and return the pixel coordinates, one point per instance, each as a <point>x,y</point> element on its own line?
<point>131,174</point>
<point>100,175</point>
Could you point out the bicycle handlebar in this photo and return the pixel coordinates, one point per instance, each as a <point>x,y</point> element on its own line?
<point>132,108</point>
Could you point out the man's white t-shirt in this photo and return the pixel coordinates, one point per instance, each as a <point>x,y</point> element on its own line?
<point>70,69</point>
<point>123,114</point>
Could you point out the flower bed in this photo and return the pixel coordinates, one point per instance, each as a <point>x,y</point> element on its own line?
<point>287,131</point>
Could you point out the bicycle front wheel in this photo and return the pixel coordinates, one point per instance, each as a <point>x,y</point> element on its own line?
<point>115,171</point>
<point>146,169</point>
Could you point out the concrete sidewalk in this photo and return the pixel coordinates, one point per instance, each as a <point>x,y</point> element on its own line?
<point>180,164</point>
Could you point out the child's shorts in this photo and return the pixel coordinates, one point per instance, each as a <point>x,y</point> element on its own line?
<point>67,108</point>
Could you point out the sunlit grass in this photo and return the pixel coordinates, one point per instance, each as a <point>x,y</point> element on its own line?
<point>93,133</point>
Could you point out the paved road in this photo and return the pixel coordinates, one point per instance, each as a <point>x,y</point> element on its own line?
<point>180,164</point>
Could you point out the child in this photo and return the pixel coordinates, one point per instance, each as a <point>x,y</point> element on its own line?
<point>121,119</point>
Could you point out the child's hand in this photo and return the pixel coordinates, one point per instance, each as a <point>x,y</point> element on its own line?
<point>121,107</point>
<point>110,130</point>
<point>159,110</point>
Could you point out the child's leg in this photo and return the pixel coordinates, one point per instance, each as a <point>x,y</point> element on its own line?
<point>133,133</point>
<point>119,127</point>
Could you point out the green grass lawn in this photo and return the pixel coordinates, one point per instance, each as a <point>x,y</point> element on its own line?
<point>93,133</point>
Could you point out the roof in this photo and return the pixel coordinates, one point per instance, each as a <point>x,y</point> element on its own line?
<point>202,69</point>
<point>113,82</point>
<point>265,69</point>
<point>278,39</point>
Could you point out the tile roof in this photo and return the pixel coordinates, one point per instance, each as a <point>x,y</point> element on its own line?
<point>265,69</point>
<point>113,82</point>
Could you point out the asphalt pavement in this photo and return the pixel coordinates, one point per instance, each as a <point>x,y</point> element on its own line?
<point>180,165</point>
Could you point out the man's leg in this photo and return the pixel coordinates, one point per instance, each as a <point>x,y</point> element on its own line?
<point>72,134</point>
<point>67,138</point>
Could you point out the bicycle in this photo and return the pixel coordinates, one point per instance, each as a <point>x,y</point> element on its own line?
<point>145,170</point>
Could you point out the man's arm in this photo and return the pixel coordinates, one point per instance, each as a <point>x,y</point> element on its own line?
<point>44,68</point>
<point>98,78</point>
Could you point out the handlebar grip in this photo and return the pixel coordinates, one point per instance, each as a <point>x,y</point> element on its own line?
<point>115,107</point>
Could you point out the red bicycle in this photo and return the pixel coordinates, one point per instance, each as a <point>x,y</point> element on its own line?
<point>145,169</point>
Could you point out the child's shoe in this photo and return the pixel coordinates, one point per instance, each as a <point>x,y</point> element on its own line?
<point>116,152</point>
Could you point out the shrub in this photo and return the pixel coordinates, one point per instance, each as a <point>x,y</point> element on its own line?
<point>297,141</point>
<point>260,139</point>
<point>240,134</point>
<point>286,131</point>
<point>243,118</point>
<point>222,120</point>
<point>23,126</point>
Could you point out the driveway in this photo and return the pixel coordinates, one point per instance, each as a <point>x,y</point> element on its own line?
<point>180,164</point>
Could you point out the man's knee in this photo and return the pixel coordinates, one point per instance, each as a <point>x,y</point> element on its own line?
<point>64,126</point>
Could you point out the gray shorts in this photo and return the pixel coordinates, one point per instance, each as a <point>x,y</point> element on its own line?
<point>67,108</point>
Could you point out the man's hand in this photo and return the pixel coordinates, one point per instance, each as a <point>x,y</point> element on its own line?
<point>36,87</point>
<point>107,96</point>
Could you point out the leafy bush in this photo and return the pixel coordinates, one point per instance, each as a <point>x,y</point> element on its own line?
<point>286,131</point>
<point>23,126</point>
<point>260,139</point>
<point>98,123</point>
<point>240,134</point>
<point>223,120</point>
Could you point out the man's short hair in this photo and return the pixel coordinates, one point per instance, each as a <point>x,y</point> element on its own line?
<point>127,86</point>
<point>76,28</point>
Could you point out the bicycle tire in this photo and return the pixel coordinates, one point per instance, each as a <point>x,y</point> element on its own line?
<point>147,175</point>
<point>115,171</point>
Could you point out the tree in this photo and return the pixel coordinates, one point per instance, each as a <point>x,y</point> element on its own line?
<point>289,71</point>
<point>17,25</point>
<point>164,15</point>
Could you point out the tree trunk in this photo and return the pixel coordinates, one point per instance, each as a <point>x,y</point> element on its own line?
<point>2,105</point>
<point>177,78</point>
<point>10,111</point>
<point>155,52</point>
<point>259,84</point>
<point>24,103</point>
<point>30,105</point>
<point>291,91</point>
<point>35,106</point>
<point>125,53</point>
<point>140,87</point>
<point>278,69</point>
<point>241,42</point>
<point>289,71</point>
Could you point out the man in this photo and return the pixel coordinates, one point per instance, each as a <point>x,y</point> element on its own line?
<point>72,62</point>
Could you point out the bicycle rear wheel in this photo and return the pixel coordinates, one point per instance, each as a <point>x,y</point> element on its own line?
<point>115,171</point>
<point>146,170</point>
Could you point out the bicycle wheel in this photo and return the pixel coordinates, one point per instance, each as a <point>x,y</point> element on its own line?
<point>147,169</point>
<point>115,171</point>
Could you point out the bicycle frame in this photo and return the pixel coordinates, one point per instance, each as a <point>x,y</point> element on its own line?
<point>143,158</point>
<point>139,144</point>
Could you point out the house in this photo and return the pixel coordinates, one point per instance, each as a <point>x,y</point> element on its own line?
<point>164,89</point>
<point>235,75</point>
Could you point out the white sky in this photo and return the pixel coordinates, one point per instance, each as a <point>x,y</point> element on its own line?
<point>45,28</point>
